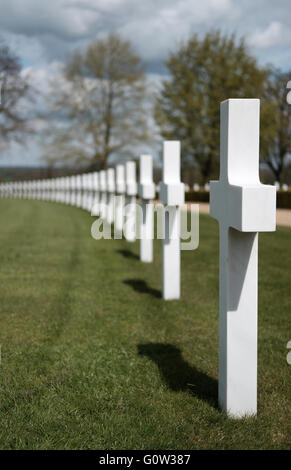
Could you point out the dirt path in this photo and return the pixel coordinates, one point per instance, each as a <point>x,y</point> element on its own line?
<point>283,215</point>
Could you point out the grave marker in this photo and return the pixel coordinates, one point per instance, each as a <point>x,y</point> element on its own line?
<point>243,206</point>
<point>88,200</point>
<point>91,191</point>
<point>103,198</point>
<point>73,191</point>
<point>96,194</point>
<point>146,191</point>
<point>130,209</point>
<point>110,173</point>
<point>68,190</point>
<point>172,196</point>
<point>119,201</point>
<point>84,177</point>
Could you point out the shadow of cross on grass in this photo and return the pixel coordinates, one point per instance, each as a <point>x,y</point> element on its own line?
<point>178,374</point>
<point>139,285</point>
<point>128,254</point>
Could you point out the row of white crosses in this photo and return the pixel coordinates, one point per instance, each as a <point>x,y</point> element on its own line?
<point>118,192</point>
<point>111,194</point>
<point>241,204</point>
<point>284,186</point>
<point>77,190</point>
<point>196,187</point>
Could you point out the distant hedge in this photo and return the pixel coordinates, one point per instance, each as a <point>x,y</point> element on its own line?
<point>283,198</point>
<point>196,196</point>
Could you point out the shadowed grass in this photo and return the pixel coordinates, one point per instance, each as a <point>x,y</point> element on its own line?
<point>92,357</point>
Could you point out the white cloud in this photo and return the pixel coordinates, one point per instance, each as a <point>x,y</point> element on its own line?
<point>56,27</point>
<point>43,33</point>
<point>58,17</point>
<point>156,27</point>
<point>273,35</point>
<point>153,26</point>
<point>27,48</point>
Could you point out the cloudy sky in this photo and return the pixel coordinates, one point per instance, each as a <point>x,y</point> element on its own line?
<point>42,33</point>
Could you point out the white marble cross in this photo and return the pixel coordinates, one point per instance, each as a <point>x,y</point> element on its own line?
<point>78,186</point>
<point>63,189</point>
<point>67,189</point>
<point>243,206</point>
<point>96,194</point>
<point>119,200</point>
<point>130,208</point>
<point>51,190</point>
<point>57,190</point>
<point>60,188</point>
<point>90,186</point>
<point>85,190</point>
<point>73,190</point>
<point>146,191</point>
<point>33,189</point>
<point>110,173</point>
<point>45,184</point>
<point>19,188</point>
<point>103,198</point>
<point>24,189</point>
<point>172,196</point>
<point>30,189</point>
<point>38,189</point>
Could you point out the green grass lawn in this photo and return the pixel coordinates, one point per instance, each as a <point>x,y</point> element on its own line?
<point>93,358</point>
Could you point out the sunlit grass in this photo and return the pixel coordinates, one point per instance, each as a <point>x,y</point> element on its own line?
<point>92,357</point>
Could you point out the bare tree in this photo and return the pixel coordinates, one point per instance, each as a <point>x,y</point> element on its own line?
<point>13,87</point>
<point>101,107</point>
